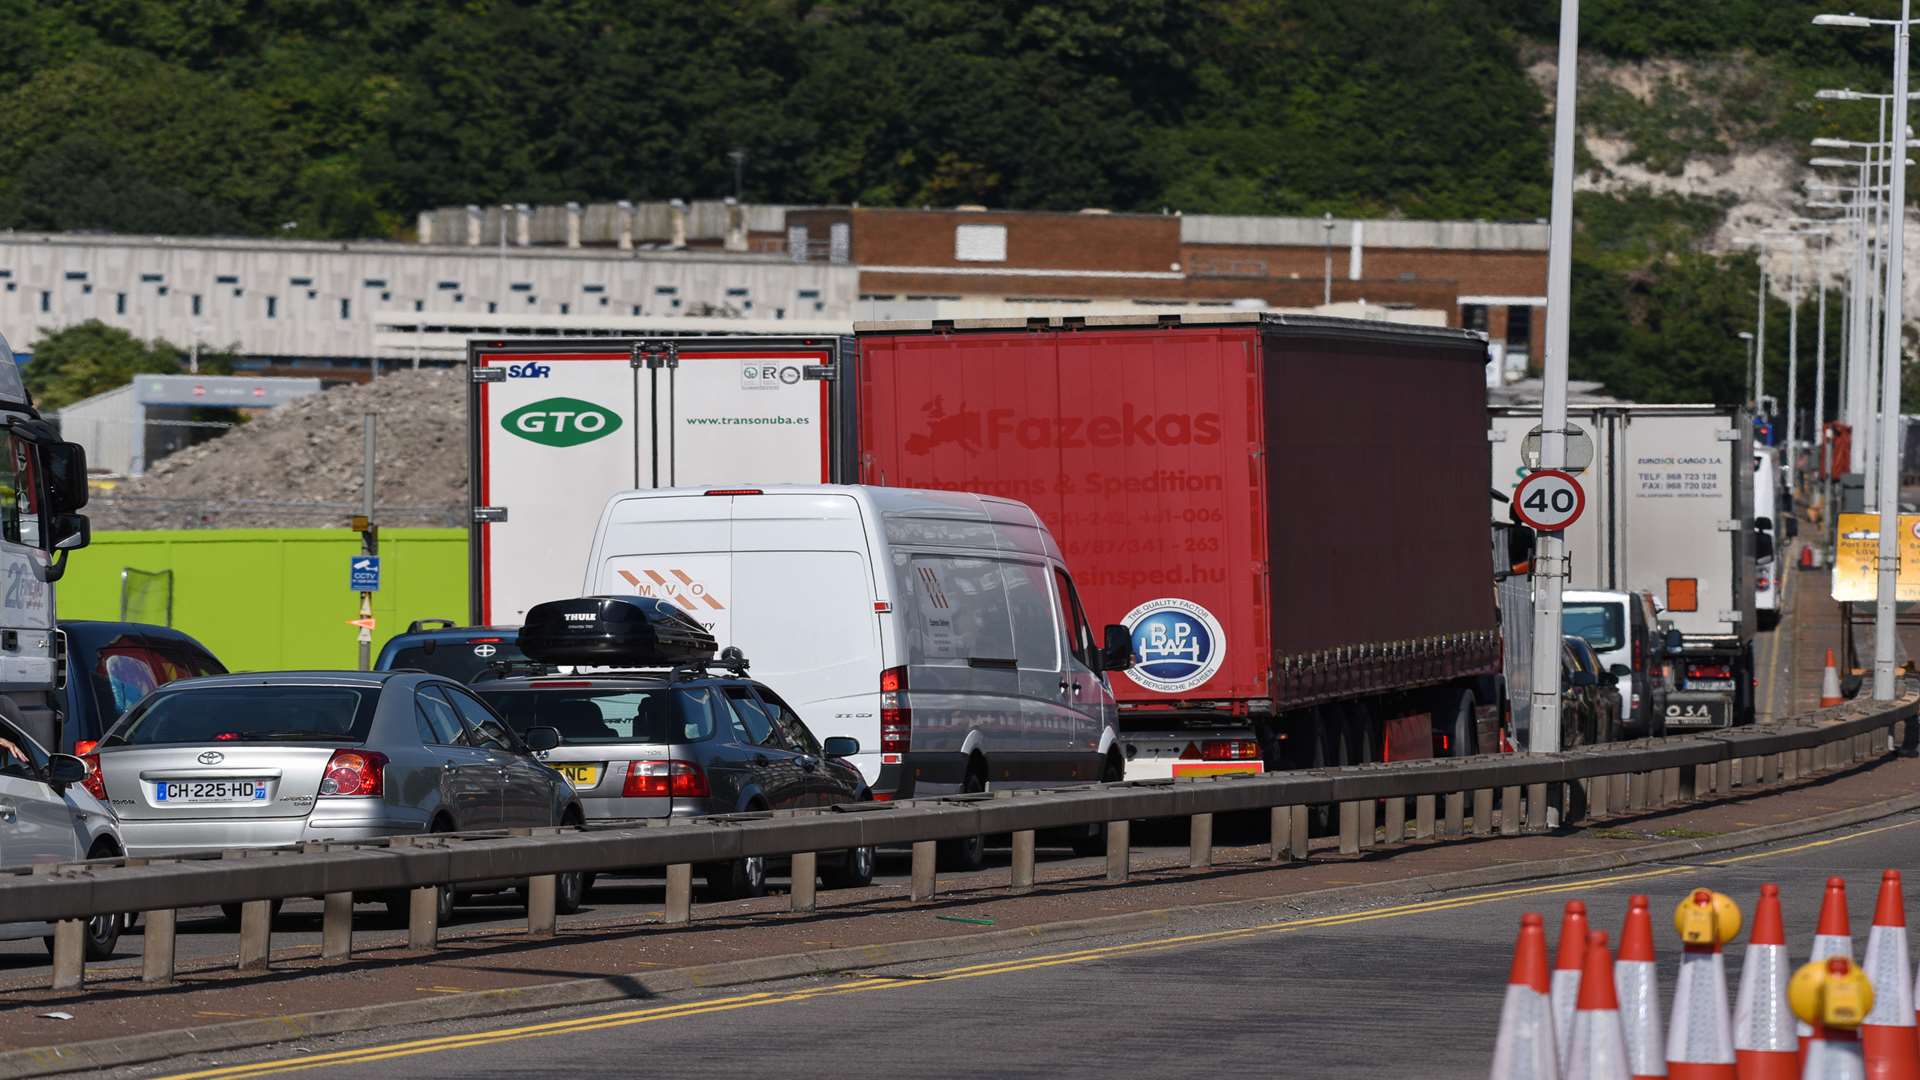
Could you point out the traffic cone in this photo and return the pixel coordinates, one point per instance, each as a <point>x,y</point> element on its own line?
<point>1700,1040</point>
<point>1567,961</point>
<point>1636,977</point>
<point>1525,1047</point>
<point>1598,1050</point>
<point>1832,936</point>
<point>1832,996</point>
<point>1806,558</point>
<point>1888,1036</point>
<point>1830,684</point>
<point>1764,1044</point>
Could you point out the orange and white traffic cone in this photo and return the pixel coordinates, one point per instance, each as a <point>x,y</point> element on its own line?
<point>1598,1050</point>
<point>1832,996</point>
<point>1567,960</point>
<point>1700,1038</point>
<point>1525,1048</point>
<point>1830,684</point>
<point>1832,936</point>
<point>1888,1037</point>
<point>1764,1044</point>
<point>1636,977</point>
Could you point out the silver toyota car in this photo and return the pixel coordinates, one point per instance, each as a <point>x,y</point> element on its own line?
<point>266,760</point>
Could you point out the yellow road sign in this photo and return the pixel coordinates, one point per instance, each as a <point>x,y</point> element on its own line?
<point>1857,554</point>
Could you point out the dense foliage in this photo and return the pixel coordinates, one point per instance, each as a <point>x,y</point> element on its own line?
<point>340,118</point>
<point>91,358</point>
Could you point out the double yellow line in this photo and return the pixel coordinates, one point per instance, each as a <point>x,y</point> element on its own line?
<point>860,984</point>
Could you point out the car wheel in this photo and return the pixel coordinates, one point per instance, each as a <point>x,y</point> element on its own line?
<point>853,871</point>
<point>1092,840</point>
<point>741,879</point>
<point>570,891</point>
<point>101,938</point>
<point>968,853</point>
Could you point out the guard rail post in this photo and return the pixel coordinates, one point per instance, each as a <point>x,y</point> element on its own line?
<point>256,934</point>
<point>1423,817</point>
<point>1723,778</point>
<point>1702,781</point>
<point>1510,811</point>
<point>1454,825</point>
<point>1483,812</point>
<point>1396,821</point>
<point>336,926</point>
<point>1637,792</point>
<point>1119,848</point>
<point>678,910</point>
<point>806,867</point>
<point>1279,830</point>
<point>69,945</point>
<point>1537,808</point>
<point>1670,786</point>
<point>1022,881</point>
<point>1368,821</point>
<point>543,916</point>
<point>423,917</point>
<point>1349,828</point>
<point>157,946</point>
<point>925,882</point>
<point>1200,842</point>
<point>1617,786</point>
<point>1596,797</point>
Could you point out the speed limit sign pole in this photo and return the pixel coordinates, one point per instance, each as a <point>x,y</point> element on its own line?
<point>1550,563</point>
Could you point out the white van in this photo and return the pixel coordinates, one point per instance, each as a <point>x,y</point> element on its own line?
<point>940,629</point>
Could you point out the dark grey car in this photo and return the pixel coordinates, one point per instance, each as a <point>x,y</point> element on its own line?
<point>655,744</point>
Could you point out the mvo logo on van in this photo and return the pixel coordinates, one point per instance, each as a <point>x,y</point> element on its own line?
<point>561,421</point>
<point>1177,645</point>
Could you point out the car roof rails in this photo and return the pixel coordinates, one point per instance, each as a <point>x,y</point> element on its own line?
<point>730,658</point>
<point>418,625</point>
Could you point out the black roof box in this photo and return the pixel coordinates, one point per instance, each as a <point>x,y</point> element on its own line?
<point>614,631</point>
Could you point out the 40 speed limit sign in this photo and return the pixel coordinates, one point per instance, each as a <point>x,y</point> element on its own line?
<point>1549,500</point>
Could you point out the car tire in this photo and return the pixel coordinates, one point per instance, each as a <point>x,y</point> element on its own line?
<point>101,939</point>
<point>741,879</point>
<point>969,853</point>
<point>853,870</point>
<point>1091,841</point>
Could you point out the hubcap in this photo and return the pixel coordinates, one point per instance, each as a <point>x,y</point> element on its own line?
<point>863,863</point>
<point>756,870</point>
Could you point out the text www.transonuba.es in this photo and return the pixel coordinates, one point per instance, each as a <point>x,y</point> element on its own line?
<point>725,420</point>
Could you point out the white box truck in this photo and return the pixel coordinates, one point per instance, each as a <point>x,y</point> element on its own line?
<point>1669,510</point>
<point>555,427</point>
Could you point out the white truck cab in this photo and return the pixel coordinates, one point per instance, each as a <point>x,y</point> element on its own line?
<point>940,629</point>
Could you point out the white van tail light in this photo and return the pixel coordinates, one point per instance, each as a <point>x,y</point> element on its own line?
<point>896,718</point>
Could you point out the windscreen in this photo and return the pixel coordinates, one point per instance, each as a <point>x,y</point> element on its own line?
<point>606,715</point>
<point>1602,625</point>
<point>461,660</point>
<point>249,714</point>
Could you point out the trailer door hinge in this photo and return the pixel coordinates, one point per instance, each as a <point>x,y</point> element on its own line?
<point>1730,616</point>
<point>819,372</point>
<point>1496,435</point>
<point>1728,526</point>
<point>1727,435</point>
<point>655,354</point>
<point>489,514</point>
<point>489,374</point>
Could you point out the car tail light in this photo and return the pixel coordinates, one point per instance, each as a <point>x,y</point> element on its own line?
<point>358,774</point>
<point>1709,671</point>
<point>735,491</point>
<point>1763,583</point>
<point>1639,653</point>
<point>896,717</point>
<point>1229,750</point>
<point>665,779</point>
<point>95,783</point>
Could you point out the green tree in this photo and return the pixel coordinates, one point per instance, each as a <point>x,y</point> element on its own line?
<point>90,358</point>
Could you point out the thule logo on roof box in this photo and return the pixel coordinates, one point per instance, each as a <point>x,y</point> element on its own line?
<point>581,617</point>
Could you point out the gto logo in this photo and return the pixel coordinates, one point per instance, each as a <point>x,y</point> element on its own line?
<point>561,421</point>
<point>528,371</point>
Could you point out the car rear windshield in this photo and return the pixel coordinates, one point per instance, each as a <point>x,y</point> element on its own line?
<point>607,714</point>
<point>461,659</point>
<point>1599,624</point>
<point>249,714</point>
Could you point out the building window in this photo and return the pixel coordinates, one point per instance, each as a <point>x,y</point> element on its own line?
<point>385,296</point>
<point>1473,317</point>
<point>161,291</point>
<point>565,309</point>
<point>300,282</point>
<point>492,307</point>
<point>665,290</point>
<point>226,279</point>
<point>419,305</point>
<point>459,298</point>
<point>76,275</point>
<point>593,288</point>
<point>119,303</point>
<point>375,283</point>
<point>449,286</point>
<point>522,286</point>
<point>273,307</point>
<point>1519,327</point>
<point>86,290</point>
<point>980,243</point>
<point>603,301</point>
<point>153,279</point>
<point>346,308</point>
<point>46,300</point>
<point>736,292</point>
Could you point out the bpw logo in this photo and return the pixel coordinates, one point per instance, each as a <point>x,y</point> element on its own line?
<point>529,371</point>
<point>769,376</point>
<point>561,421</point>
<point>1177,645</point>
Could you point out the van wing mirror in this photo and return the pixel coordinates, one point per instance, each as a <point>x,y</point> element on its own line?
<point>1762,545</point>
<point>1116,649</point>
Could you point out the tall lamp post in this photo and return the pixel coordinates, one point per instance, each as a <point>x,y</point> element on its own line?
<point>1747,336</point>
<point>1889,479</point>
<point>1326,290</point>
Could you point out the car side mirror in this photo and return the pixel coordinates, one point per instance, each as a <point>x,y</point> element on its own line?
<point>1621,671</point>
<point>1675,641</point>
<point>541,738</point>
<point>65,769</point>
<point>1582,678</point>
<point>1116,650</point>
<point>841,746</point>
<point>1762,545</point>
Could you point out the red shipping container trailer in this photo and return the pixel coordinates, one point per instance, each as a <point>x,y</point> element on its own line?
<point>1288,512</point>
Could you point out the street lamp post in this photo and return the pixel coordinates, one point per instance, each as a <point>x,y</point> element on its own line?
<point>1889,480</point>
<point>1326,291</point>
<point>1747,336</point>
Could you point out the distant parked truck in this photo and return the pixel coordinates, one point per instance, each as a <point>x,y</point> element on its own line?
<point>1289,514</point>
<point>1670,510</point>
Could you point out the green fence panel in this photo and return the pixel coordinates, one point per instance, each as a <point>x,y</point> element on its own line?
<point>274,599</point>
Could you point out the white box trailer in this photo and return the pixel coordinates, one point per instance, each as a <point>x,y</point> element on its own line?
<point>555,427</point>
<point>1670,511</point>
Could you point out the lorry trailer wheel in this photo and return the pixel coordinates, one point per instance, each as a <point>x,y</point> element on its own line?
<point>1457,722</point>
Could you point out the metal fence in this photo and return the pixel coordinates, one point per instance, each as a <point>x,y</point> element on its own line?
<point>1452,798</point>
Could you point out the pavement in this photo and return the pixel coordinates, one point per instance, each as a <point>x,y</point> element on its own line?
<point>1354,990</point>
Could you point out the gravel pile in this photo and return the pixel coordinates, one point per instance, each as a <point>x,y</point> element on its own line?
<point>298,466</point>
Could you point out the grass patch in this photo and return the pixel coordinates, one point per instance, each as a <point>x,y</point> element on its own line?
<point>1617,834</point>
<point>1684,834</point>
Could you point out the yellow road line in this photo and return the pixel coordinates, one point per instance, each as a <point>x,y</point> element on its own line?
<point>862,982</point>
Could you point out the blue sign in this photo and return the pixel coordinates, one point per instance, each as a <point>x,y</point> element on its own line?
<point>1177,645</point>
<point>363,573</point>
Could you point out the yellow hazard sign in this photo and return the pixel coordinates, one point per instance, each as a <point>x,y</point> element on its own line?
<point>1856,558</point>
